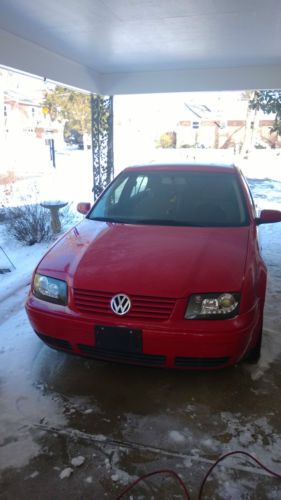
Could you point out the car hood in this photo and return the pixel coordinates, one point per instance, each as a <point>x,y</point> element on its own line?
<point>158,261</point>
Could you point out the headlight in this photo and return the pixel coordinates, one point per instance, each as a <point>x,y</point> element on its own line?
<point>50,289</point>
<point>212,306</point>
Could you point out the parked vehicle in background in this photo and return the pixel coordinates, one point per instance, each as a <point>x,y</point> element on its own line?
<point>74,138</point>
<point>165,270</point>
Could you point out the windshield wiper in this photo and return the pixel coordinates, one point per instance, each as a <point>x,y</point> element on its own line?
<point>150,222</point>
<point>107,219</point>
<point>102,219</point>
<point>166,222</point>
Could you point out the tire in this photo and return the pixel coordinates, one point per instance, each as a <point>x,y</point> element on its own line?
<point>253,355</point>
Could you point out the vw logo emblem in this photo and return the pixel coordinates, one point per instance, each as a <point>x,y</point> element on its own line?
<point>120,304</point>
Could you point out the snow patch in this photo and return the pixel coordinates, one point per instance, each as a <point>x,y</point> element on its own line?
<point>77,461</point>
<point>100,437</point>
<point>66,473</point>
<point>176,436</point>
<point>122,477</point>
<point>88,411</point>
<point>18,453</point>
<point>187,462</point>
<point>33,475</point>
<point>112,466</point>
<point>24,259</point>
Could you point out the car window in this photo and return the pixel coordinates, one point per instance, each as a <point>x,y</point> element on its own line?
<point>174,198</point>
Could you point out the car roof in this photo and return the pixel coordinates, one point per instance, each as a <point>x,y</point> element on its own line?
<point>185,166</point>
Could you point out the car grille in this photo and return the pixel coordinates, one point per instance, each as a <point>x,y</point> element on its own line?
<point>150,308</point>
<point>124,357</point>
<point>200,362</point>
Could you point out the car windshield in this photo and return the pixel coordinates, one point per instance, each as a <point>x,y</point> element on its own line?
<point>183,198</point>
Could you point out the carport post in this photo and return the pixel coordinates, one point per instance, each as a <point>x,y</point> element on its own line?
<point>102,141</point>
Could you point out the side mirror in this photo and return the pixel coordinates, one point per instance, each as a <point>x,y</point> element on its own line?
<point>268,216</point>
<point>83,208</point>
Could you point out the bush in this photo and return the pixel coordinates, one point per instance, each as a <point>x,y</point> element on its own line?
<point>167,140</point>
<point>28,223</point>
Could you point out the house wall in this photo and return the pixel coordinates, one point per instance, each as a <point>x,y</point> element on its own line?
<point>229,134</point>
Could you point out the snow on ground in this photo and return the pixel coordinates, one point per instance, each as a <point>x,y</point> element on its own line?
<point>24,258</point>
<point>20,403</point>
<point>71,180</point>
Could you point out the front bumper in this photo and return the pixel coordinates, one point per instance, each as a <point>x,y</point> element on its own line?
<point>193,344</point>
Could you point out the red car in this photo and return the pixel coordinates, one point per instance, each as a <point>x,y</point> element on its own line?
<point>165,270</point>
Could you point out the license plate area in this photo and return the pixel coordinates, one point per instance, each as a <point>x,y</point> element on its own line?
<point>117,338</point>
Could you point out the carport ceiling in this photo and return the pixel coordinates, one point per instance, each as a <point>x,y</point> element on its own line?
<point>118,42</point>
